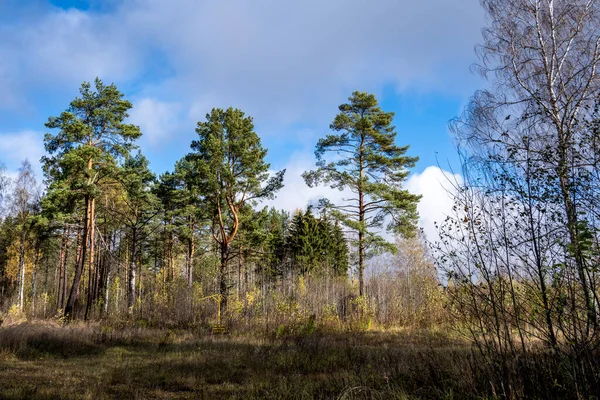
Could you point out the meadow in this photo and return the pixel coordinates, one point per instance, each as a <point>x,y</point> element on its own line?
<point>45,360</point>
<point>48,360</point>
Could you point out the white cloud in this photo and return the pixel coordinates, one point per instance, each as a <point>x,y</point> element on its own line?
<point>157,119</point>
<point>436,187</point>
<point>59,48</point>
<point>17,147</point>
<point>296,194</point>
<point>434,184</point>
<point>282,62</point>
<point>73,45</point>
<point>289,61</point>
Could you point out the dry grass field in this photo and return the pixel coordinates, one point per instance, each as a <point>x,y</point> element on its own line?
<point>45,360</point>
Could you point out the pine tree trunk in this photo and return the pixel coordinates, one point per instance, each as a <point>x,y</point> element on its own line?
<point>239,274</point>
<point>223,277</point>
<point>107,293</point>
<point>246,277</point>
<point>33,277</point>
<point>64,268</point>
<point>361,220</point>
<point>171,260</point>
<point>140,283</point>
<point>61,269</point>
<point>361,246</point>
<point>191,251</point>
<point>91,269</point>
<point>74,292</point>
<point>102,271</point>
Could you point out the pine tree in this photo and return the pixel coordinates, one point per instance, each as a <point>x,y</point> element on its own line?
<point>168,190</point>
<point>230,173</point>
<point>93,136</point>
<point>366,160</point>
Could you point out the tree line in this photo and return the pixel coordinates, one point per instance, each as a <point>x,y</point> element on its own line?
<point>106,233</point>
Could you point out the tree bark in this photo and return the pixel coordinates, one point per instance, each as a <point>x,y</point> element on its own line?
<point>33,276</point>
<point>361,220</point>
<point>223,277</point>
<point>74,292</point>
<point>21,268</point>
<point>91,266</point>
<point>190,258</point>
<point>62,269</point>
<point>170,251</point>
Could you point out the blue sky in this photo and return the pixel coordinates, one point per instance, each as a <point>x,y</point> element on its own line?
<point>288,64</point>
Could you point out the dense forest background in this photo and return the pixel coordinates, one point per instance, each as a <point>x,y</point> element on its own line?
<point>512,282</point>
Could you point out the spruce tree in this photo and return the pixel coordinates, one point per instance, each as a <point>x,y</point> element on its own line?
<point>315,244</point>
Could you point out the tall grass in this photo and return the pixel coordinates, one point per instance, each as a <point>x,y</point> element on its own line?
<point>49,360</point>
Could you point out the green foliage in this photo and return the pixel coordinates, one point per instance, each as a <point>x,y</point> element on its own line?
<point>7,237</point>
<point>338,251</point>
<point>262,240</point>
<point>229,173</point>
<point>229,168</point>
<point>84,162</point>
<point>93,136</point>
<point>317,244</point>
<point>366,160</point>
<point>138,181</point>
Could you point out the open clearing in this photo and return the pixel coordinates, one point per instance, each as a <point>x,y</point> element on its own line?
<point>44,361</point>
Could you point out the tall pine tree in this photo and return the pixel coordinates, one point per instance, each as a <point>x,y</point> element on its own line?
<point>230,173</point>
<point>92,137</point>
<point>364,158</point>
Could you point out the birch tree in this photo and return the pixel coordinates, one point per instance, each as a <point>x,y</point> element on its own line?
<point>25,192</point>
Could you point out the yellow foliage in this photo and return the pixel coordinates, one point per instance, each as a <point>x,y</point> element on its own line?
<point>330,314</point>
<point>161,277</point>
<point>251,297</point>
<point>364,317</point>
<point>197,290</point>
<point>14,314</point>
<point>12,265</point>
<point>235,306</point>
<point>114,291</point>
<point>302,286</point>
<point>289,308</point>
